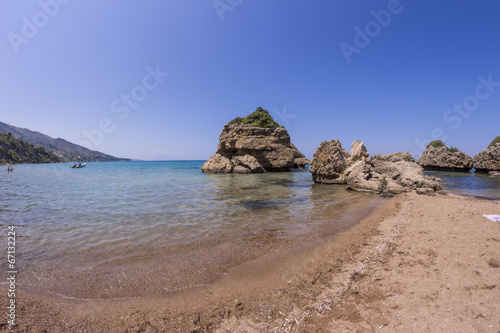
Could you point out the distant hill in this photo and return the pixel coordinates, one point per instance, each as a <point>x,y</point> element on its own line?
<point>14,151</point>
<point>64,150</point>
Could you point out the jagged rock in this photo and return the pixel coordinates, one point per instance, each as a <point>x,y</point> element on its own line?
<point>410,175</point>
<point>393,187</point>
<point>394,157</point>
<point>301,162</point>
<point>241,169</point>
<point>247,162</point>
<point>394,173</point>
<point>395,177</point>
<point>437,156</point>
<point>488,159</point>
<point>328,163</point>
<point>245,148</point>
<point>358,151</point>
<point>360,177</point>
<point>217,163</point>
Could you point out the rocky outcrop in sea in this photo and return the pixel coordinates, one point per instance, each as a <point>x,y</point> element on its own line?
<point>254,144</point>
<point>437,156</point>
<point>489,159</point>
<point>394,173</point>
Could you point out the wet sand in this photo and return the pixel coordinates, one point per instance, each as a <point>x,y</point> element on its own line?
<point>424,264</point>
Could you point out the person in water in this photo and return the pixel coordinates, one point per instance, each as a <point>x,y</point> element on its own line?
<point>10,168</point>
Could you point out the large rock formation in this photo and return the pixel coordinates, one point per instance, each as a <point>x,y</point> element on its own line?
<point>394,173</point>
<point>329,162</point>
<point>437,156</point>
<point>489,159</point>
<point>254,144</point>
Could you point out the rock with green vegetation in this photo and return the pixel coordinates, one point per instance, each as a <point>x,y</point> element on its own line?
<point>494,142</point>
<point>489,159</point>
<point>258,118</point>
<point>394,173</point>
<point>254,144</point>
<point>437,144</point>
<point>437,156</point>
<point>16,151</point>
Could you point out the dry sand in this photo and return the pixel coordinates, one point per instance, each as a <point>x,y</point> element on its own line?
<point>417,264</point>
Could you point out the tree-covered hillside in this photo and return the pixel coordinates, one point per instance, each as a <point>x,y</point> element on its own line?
<point>65,150</point>
<point>15,151</point>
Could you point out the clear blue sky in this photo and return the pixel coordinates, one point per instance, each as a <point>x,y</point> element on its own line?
<point>67,67</point>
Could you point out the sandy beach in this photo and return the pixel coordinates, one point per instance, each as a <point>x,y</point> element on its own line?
<point>417,263</point>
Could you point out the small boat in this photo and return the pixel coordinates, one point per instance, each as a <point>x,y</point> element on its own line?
<point>78,165</point>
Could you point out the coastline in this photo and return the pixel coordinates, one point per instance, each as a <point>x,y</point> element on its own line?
<point>416,263</point>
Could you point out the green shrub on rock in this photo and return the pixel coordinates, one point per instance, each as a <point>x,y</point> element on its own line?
<point>258,118</point>
<point>494,142</point>
<point>437,144</point>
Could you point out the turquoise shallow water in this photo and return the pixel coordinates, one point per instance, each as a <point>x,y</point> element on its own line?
<point>120,209</point>
<point>108,211</point>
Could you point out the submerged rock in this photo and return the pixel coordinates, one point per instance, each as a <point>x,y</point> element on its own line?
<point>437,156</point>
<point>488,159</point>
<point>254,144</point>
<point>394,173</point>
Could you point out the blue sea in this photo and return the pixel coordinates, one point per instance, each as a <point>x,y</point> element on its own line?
<point>469,184</point>
<point>107,224</point>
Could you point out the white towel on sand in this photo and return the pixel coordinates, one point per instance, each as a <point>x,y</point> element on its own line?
<point>495,218</point>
